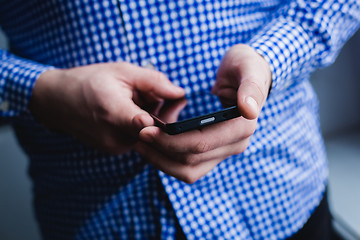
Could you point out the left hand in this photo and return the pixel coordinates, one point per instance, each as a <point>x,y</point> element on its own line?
<point>243,78</point>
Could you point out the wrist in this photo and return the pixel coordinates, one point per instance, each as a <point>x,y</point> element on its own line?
<point>43,88</point>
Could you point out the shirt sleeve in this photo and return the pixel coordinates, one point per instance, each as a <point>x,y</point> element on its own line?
<point>17,79</point>
<point>304,36</point>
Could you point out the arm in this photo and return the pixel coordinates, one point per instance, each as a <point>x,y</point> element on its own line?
<point>97,104</point>
<point>305,35</point>
<point>17,78</point>
<point>190,155</point>
<point>289,46</point>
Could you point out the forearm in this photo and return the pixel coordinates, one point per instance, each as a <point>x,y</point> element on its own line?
<point>17,79</point>
<point>304,36</point>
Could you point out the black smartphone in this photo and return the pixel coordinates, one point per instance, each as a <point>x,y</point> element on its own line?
<point>192,112</point>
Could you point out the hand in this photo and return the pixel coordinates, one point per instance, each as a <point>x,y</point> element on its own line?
<point>244,78</point>
<point>100,104</point>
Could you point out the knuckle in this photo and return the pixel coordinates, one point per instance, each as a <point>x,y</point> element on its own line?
<point>254,84</point>
<point>190,178</point>
<point>190,160</point>
<point>159,76</point>
<point>249,131</point>
<point>243,146</point>
<point>156,77</point>
<point>124,64</point>
<point>201,147</point>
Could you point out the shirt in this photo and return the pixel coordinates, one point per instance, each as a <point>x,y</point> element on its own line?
<point>267,192</point>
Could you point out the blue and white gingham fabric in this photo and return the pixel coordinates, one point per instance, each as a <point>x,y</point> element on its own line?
<point>267,192</point>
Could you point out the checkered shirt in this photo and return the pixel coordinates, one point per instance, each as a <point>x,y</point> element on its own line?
<point>267,192</point>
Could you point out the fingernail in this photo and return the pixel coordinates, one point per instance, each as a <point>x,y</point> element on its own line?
<point>176,88</point>
<point>147,137</point>
<point>180,90</point>
<point>142,121</point>
<point>138,123</point>
<point>252,103</point>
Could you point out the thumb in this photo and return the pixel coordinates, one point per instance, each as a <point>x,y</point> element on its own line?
<point>155,82</point>
<point>250,97</point>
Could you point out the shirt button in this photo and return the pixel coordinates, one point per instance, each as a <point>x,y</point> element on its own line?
<point>4,106</point>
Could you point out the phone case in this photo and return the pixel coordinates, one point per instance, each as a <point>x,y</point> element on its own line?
<point>197,122</point>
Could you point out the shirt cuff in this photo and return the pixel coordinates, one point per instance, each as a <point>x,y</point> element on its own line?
<point>287,48</point>
<point>17,79</point>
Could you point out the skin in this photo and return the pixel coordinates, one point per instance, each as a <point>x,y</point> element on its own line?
<point>99,105</point>
<point>244,77</point>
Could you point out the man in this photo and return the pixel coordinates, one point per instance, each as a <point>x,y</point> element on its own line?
<point>260,176</point>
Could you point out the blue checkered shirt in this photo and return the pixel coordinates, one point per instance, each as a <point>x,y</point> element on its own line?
<point>267,192</point>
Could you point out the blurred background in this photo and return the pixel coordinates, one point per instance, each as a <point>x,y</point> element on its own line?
<point>338,88</point>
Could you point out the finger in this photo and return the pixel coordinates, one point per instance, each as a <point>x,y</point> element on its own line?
<point>245,71</point>
<point>152,81</point>
<point>200,141</point>
<point>170,112</point>
<point>222,152</point>
<point>188,174</point>
<point>130,114</point>
<point>142,120</point>
<point>227,96</point>
<point>250,98</point>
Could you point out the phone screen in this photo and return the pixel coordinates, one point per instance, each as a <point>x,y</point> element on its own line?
<point>192,112</point>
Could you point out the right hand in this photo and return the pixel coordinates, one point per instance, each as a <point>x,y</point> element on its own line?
<point>99,104</point>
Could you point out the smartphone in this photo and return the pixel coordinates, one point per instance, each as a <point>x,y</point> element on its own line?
<point>192,112</point>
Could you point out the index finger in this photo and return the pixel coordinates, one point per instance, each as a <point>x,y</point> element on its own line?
<point>201,140</point>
